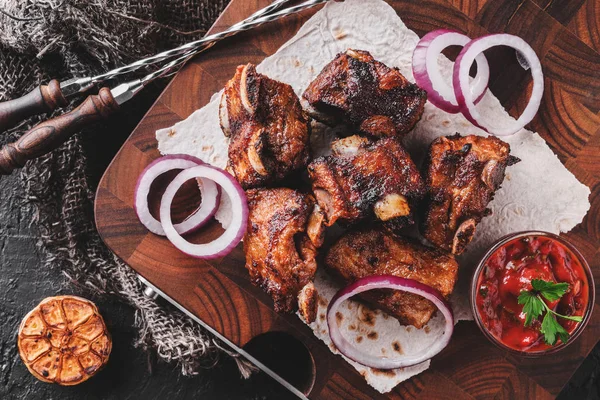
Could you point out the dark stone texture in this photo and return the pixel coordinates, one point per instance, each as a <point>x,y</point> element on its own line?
<point>131,372</point>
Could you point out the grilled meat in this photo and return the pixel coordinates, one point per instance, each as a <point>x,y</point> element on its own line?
<point>361,178</point>
<point>268,129</point>
<point>462,173</point>
<point>279,255</point>
<point>365,93</point>
<point>375,251</point>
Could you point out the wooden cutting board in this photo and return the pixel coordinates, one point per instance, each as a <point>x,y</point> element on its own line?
<point>565,35</point>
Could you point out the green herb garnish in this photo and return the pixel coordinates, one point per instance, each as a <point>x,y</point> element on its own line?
<point>534,306</point>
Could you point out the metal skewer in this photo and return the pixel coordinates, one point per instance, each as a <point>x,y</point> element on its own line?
<point>48,135</point>
<point>47,98</point>
<point>193,48</point>
<point>80,85</point>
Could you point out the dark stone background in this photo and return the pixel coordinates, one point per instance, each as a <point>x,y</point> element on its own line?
<point>131,372</point>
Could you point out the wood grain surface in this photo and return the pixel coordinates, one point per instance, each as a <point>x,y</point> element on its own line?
<point>42,99</point>
<point>565,35</point>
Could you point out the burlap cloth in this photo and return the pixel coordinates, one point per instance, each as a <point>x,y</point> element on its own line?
<point>45,39</point>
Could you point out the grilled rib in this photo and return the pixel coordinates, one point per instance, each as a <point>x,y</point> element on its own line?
<point>375,251</point>
<point>268,129</point>
<point>362,178</point>
<point>279,255</point>
<point>363,92</point>
<point>462,173</point>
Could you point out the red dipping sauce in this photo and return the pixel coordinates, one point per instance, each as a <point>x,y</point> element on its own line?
<point>508,268</point>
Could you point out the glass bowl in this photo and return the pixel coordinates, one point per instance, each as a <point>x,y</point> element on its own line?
<point>580,327</point>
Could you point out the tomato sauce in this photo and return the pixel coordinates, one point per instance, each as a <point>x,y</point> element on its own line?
<point>509,270</point>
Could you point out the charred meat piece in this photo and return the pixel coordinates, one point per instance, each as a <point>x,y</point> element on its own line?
<point>279,255</point>
<point>371,97</point>
<point>361,178</point>
<point>462,173</point>
<point>375,251</point>
<point>268,129</point>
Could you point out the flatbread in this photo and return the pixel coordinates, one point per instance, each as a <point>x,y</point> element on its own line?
<point>537,193</point>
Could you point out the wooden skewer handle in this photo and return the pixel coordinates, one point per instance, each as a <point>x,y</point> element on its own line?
<point>42,99</point>
<point>48,135</point>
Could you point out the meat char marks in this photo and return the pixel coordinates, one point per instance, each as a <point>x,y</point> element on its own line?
<point>462,173</point>
<point>279,255</point>
<point>268,129</point>
<point>375,251</point>
<point>362,178</point>
<point>371,97</point>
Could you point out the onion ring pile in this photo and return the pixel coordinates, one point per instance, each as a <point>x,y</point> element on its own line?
<point>467,92</point>
<point>212,180</point>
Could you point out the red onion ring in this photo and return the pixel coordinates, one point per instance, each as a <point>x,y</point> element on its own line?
<point>427,73</point>
<point>388,282</point>
<point>465,97</point>
<point>234,232</point>
<point>211,195</point>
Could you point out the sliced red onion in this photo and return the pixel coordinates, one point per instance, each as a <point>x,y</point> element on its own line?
<point>376,282</point>
<point>209,190</point>
<point>427,73</point>
<point>234,232</point>
<point>465,97</point>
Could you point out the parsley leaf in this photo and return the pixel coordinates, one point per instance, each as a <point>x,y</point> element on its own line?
<point>575,318</point>
<point>532,306</point>
<point>551,328</point>
<point>550,290</point>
